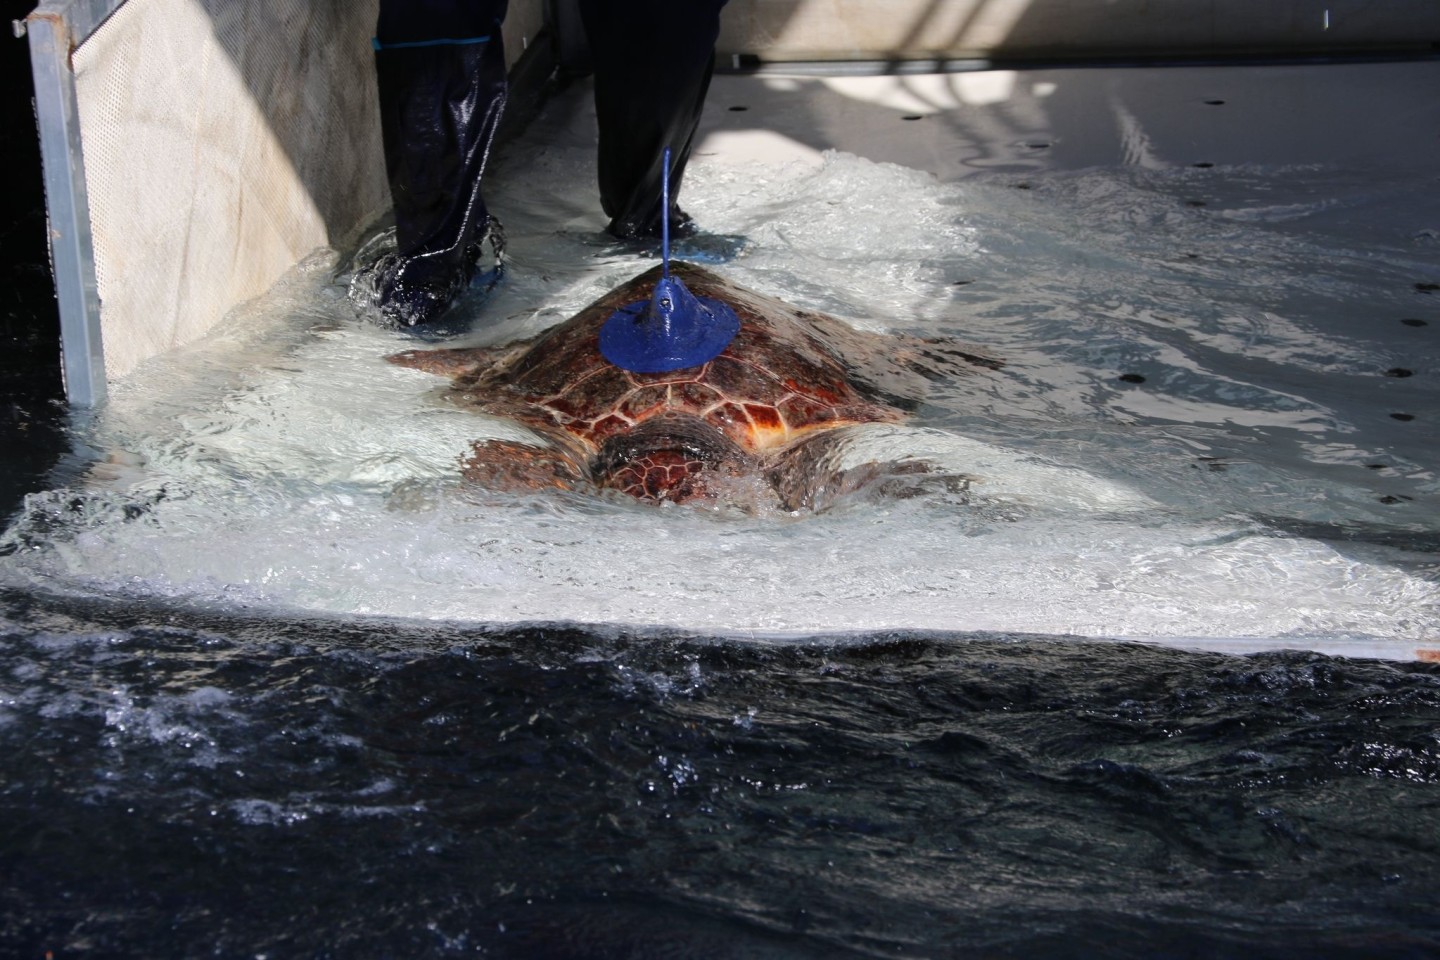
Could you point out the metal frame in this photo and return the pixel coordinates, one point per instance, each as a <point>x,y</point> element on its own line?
<point>55,29</point>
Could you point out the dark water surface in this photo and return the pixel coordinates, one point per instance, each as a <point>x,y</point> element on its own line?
<point>179,785</point>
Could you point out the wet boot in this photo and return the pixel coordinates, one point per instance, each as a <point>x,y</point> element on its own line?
<point>653,61</point>
<point>441,73</point>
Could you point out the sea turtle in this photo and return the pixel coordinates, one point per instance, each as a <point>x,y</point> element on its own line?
<point>772,405</point>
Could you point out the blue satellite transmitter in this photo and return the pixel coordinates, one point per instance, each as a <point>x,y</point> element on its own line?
<point>672,330</point>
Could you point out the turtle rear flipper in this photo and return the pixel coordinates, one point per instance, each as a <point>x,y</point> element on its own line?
<point>810,476</point>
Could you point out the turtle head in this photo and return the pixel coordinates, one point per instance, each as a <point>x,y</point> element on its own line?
<point>672,458</point>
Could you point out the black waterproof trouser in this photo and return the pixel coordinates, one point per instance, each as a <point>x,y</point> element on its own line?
<point>440,67</point>
<point>653,61</point>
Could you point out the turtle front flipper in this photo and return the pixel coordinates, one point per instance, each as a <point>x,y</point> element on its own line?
<point>454,363</point>
<point>811,476</point>
<point>512,467</point>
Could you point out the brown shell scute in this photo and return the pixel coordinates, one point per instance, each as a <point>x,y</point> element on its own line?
<point>696,396</point>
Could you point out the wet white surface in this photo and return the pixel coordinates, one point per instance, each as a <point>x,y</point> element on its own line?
<point>1370,116</point>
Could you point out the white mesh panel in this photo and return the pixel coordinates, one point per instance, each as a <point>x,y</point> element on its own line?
<point>223,142</point>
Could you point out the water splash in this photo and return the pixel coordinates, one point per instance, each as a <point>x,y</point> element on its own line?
<point>1189,439</point>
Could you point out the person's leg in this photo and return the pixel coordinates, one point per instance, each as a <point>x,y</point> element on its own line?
<point>440,66</point>
<point>653,61</point>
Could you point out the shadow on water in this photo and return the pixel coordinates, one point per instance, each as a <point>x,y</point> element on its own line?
<point>555,791</point>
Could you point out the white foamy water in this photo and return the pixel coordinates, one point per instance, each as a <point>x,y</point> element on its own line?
<point>1254,485</point>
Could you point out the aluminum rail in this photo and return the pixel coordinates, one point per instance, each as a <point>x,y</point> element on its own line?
<point>55,29</point>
